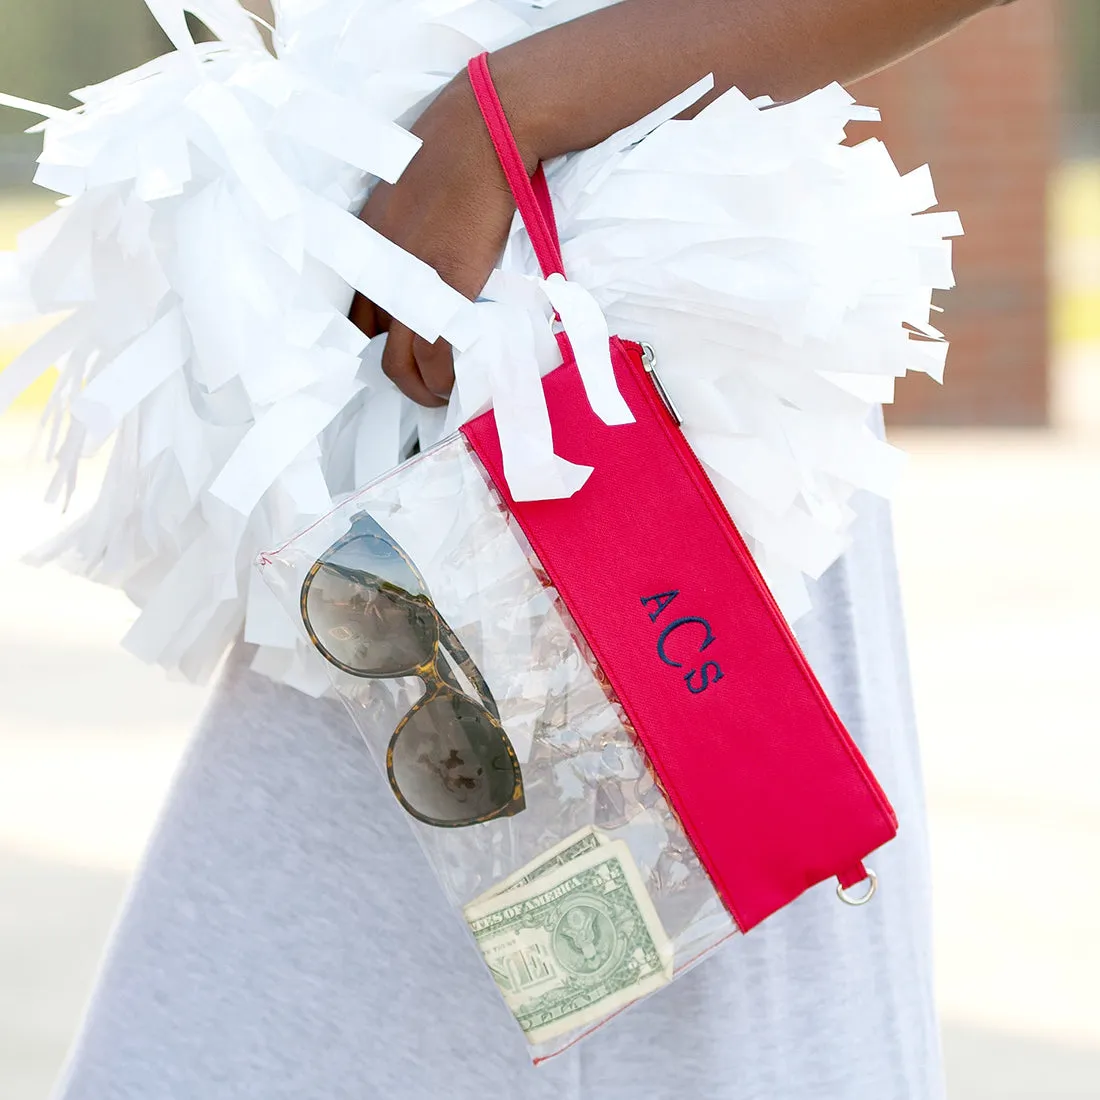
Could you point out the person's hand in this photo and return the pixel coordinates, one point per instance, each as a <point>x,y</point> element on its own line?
<point>452,209</point>
<point>572,85</point>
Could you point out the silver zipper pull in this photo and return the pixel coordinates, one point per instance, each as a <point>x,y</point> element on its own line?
<point>649,361</point>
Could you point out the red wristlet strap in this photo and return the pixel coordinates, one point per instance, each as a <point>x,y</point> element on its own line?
<point>531,194</point>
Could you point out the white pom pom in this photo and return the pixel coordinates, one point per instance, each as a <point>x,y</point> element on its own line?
<point>202,269</point>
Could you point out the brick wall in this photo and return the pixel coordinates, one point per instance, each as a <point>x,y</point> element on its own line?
<point>982,107</point>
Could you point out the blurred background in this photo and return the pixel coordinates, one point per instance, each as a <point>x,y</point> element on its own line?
<point>998,523</point>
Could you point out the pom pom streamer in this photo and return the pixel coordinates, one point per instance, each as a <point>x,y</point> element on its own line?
<point>203,259</point>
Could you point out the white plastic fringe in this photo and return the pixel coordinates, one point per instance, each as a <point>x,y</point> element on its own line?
<point>203,260</point>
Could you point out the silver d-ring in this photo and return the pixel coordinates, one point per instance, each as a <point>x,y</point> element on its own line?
<point>863,899</point>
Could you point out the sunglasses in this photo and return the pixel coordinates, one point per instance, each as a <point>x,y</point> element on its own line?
<point>368,611</point>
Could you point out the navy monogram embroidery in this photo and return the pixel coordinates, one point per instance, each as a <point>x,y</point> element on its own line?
<point>698,679</point>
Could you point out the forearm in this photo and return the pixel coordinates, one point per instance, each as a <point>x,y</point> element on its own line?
<point>574,85</point>
<point>570,87</point>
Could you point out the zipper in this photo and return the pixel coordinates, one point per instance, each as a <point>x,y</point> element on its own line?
<point>644,361</point>
<point>649,362</point>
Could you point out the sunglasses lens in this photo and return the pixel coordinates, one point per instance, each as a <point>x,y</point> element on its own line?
<point>451,763</point>
<point>369,610</point>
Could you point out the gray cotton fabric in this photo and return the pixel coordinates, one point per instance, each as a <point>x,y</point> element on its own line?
<point>285,938</point>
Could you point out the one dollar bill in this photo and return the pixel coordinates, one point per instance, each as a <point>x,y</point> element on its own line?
<point>573,944</point>
<point>584,840</point>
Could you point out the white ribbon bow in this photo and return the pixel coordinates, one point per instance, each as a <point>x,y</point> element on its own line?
<point>514,348</point>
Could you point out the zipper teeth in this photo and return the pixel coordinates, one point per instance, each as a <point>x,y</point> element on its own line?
<point>696,468</point>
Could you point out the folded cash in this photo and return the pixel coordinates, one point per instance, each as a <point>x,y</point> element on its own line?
<point>584,840</point>
<point>572,937</point>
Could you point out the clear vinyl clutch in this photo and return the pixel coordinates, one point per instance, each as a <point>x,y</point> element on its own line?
<point>519,770</point>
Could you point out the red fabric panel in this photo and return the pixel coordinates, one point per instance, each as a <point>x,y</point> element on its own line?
<point>770,788</point>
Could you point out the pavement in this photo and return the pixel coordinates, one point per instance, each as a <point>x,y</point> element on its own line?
<point>997,534</point>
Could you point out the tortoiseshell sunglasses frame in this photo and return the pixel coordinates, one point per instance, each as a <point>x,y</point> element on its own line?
<point>432,670</point>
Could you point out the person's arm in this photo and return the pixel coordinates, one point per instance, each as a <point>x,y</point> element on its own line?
<point>576,84</point>
<point>571,86</point>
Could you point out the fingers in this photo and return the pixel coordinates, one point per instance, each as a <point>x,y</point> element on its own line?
<point>436,365</point>
<point>364,315</point>
<point>423,372</point>
<point>400,367</point>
